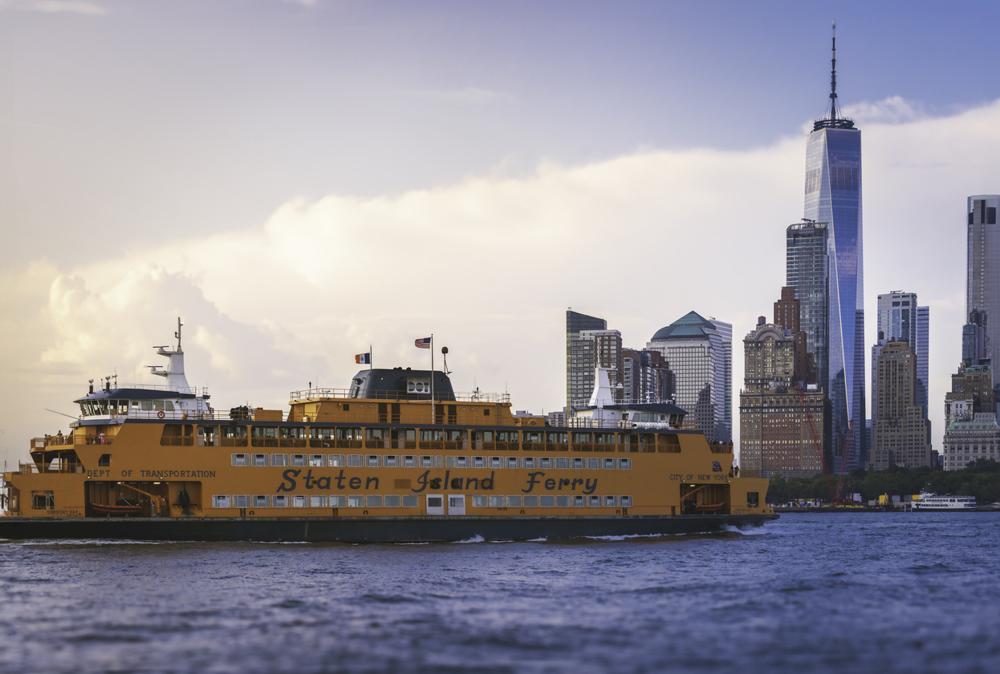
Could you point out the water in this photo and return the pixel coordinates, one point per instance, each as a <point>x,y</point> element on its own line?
<point>862,592</point>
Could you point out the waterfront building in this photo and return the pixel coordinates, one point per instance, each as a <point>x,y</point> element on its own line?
<point>900,318</point>
<point>783,424</point>
<point>975,340</point>
<point>580,359</point>
<point>646,377</point>
<point>971,428</point>
<point>700,354</point>
<point>901,433</point>
<point>833,196</point>
<point>807,273</point>
<point>983,268</point>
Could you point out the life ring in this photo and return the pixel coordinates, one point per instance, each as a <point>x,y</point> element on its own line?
<point>160,414</point>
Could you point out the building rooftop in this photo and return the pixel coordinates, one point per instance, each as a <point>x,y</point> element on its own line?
<point>691,324</point>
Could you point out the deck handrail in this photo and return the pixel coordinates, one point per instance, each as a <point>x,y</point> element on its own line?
<point>332,393</point>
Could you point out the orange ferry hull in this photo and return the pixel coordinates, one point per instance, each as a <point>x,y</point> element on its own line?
<point>369,530</point>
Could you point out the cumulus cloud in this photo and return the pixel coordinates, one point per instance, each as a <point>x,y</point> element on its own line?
<point>489,264</point>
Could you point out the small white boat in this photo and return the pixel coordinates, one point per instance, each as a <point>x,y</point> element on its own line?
<point>944,502</point>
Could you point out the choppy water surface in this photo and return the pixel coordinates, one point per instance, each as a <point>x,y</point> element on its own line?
<point>865,592</point>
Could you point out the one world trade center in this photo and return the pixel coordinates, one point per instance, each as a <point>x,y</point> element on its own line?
<point>833,196</point>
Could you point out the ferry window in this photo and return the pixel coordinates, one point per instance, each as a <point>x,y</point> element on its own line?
<point>532,440</point>
<point>317,501</point>
<point>479,462</point>
<point>316,460</point>
<point>104,460</point>
<point>241,501</point>
<point>147,405</point>
<point>279,459</point>
<point>169,405</point>
<point>298,459</point>
<point>392,501</point>
<point>583,441</point>
<point>391,461</point>
<point>280,501</point>
<point>354,460</point>
<point>376,437</point>
<point>753,499</point>
<point>455,439</point>
<point>375,501</point>
<point>409,461</point>
<point>43,500</point>
<point>578,463</point>
<point>495,462</point>
<point>512,462</point>
<point>158,405</point>
<point>298,501</point>
<point>355,501</point>
<point>528,461</point>
<point>547,501</point>
<point>626,501</point>
<point>260,459</point>
<point>373,461</point>
<point>530,501</point>
<point>486,411</point>
<point>482,439</point>
<point>260,501</point>
<point>207,434</point>
<point>345,406</point>
<point>462,461</point>
<point>593,464</point>
<point>426,462</point>
<point>556,438</point>
<point>609,464</point>
<point>562,501</point>
<point>335,460</point>
<point>545,462</point>
<point>496,501</point>
<point>610,500</point>
<point>625,464</point>
<point>578,501</point>
<point>321,437</point>
<point>562,462</point>
<point>478,501</point>
<point>239,459</point>
<point>432,439</point>
<point>338,501</point>
<point>514,501</point>
<point>220,501</point>
<point>409,501</point>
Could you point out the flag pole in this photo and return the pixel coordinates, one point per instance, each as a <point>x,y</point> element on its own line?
<point>433,410</point>
<point>371,357</point>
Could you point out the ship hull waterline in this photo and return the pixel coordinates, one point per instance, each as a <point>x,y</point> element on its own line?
<point>369,530</point>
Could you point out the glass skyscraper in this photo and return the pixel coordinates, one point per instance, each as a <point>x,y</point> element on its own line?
<point>983,269</point>
<point>833,196</point>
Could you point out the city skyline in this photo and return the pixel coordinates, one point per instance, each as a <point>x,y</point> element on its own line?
<point>268,277</point>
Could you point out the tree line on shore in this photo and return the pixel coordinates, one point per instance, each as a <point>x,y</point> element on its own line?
<point>980,479</point>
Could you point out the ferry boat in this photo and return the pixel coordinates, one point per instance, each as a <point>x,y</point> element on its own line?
<point>385,460</point>
<point>928,501</point>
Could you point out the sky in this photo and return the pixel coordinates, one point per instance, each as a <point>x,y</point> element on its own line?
<point>301,179</point>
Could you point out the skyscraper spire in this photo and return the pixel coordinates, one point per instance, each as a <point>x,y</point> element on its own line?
<point>833,77</point>
<point>833,120</point>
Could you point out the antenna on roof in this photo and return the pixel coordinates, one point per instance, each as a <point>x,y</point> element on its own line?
<point>833,76</point>
<point>178,333</point>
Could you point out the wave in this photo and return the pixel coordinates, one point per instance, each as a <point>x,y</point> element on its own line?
<point>473,539</point>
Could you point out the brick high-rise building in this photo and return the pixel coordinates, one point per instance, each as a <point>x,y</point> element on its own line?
<point>900,436</point>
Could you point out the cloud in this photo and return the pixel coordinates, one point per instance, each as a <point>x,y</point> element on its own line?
<point>466,95</point>
<point>489,264</point>
<point>56,6</point>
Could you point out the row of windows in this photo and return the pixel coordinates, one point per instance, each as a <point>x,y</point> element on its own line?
<point>411,501</point>
<point>413,461</point>
<point>408,438</point>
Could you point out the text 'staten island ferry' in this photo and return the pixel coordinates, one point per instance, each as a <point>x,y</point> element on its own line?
<point>386,460</point>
